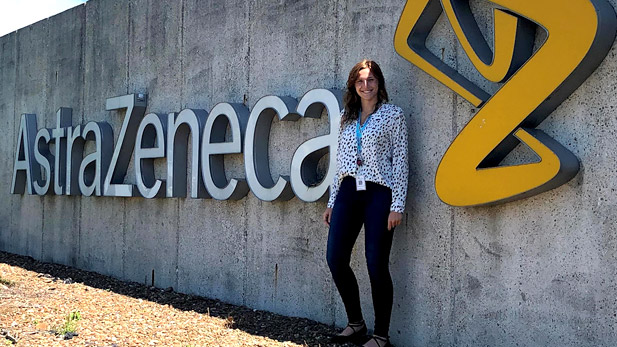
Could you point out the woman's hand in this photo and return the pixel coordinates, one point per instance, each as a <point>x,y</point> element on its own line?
<point>394,219</point>
<point>326,216</point>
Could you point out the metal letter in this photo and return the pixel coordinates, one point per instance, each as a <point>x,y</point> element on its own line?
<point>94,166</point>
<point>256,144</point>
<point>63,121</point>
<point>304,179</point>
<point>135,105</point>
<point>149,144</point>
<point>179,127</point>
<point>43,157</point>
<point>74,154</point>
<point>213,147</point>
<point>24,170</point>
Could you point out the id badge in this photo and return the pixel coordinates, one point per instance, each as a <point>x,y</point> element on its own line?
<point>360,183</point>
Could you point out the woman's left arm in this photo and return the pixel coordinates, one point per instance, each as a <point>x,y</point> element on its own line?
<point>400,166</point>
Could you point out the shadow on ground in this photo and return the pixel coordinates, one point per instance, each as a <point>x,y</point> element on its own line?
<point>255,322</point>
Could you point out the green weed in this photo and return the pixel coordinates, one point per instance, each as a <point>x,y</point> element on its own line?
<point>6,282</point>
<point>70,324</point>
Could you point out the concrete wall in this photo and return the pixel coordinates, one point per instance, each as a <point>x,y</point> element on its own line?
<point>539,271</point>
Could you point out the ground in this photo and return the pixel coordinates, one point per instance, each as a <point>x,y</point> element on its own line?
<point>45,304</point>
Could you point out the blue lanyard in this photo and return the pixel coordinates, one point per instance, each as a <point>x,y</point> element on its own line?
<point>359,130</point>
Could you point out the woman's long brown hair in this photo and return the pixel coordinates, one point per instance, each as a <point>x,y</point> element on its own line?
<point>351,99</point>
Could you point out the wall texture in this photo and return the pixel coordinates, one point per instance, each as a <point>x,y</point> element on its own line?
<point>535,272</point>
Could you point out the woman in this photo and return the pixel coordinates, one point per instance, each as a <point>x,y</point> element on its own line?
<point>370,188</point>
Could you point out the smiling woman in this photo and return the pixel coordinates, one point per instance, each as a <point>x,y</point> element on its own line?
<point>372,153</point>
<point>17,14</point>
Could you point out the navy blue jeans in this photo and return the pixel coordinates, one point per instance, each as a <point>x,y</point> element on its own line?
<point>352,209</point>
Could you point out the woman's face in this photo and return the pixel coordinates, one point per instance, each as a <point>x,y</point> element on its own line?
<point>367,85</point>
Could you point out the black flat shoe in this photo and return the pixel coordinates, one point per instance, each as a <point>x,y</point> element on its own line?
<point>354,332</point>
<point>377,341</point>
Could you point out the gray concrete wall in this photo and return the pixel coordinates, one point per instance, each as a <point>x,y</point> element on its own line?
<point>539,271</point>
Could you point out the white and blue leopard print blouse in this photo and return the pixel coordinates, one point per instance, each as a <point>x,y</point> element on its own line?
<point>384,154</point>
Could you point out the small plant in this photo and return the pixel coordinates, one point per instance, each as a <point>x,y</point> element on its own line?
<point>69,326</point>
<point>6,282</point>
<point>75,315</point>
<point>7,338</point>
<point>229,322</point>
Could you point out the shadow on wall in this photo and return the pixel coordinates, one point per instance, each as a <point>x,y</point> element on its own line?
<point>298,330</point>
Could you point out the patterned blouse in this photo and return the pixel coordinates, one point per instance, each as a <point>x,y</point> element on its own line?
<point>384,154</point>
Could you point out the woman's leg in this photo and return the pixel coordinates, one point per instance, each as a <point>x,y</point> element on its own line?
<point>377,250</point>
<point>345,225</point>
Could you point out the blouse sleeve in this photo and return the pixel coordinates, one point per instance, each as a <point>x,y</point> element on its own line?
<point>333,190</point>
<point>336,180</point>
<point>400,163</point>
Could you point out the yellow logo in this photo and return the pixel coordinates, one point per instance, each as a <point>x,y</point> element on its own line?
<point>579,35</point>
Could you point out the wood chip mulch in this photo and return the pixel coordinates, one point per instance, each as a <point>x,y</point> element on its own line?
<point>45,304</point>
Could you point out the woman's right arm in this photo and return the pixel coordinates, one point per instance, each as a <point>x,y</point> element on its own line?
<point>334,187</point>
<point>327,215</point>
<point>333,192</point>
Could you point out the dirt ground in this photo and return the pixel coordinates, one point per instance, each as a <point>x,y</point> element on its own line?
<point>45,304</point>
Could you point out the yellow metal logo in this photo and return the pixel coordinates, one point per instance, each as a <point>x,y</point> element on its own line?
<point>579,35</point>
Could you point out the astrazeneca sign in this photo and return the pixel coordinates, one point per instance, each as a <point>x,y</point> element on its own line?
<point>579,34</point>
<point>149,137</point>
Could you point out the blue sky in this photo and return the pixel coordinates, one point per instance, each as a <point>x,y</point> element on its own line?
<point>16,14</point>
